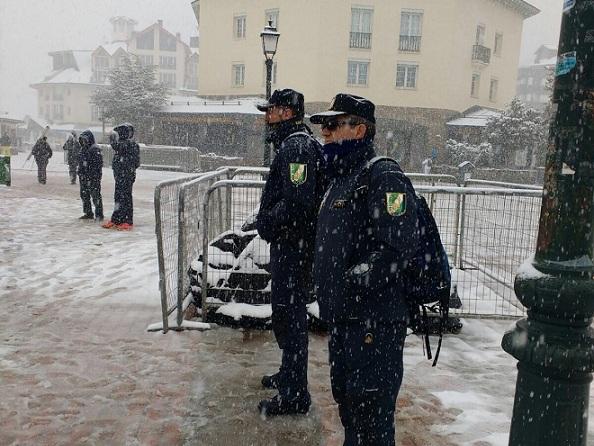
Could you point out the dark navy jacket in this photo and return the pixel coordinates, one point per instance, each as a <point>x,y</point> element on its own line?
<point>126,159</point>
<point>289,205</point>
<point>90,161</point>
<point>362,248</point>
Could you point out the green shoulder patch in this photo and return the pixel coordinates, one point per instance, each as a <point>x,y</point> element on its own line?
<point>396,203</point>
<point>297,173</point>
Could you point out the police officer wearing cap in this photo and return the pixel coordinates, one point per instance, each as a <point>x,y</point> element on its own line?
<point>366,232</point>
<point>287,219</point>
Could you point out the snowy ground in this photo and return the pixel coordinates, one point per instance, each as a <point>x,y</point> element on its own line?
<point>77,365</point>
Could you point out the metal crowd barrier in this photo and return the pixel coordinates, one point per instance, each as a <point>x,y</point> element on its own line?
<point>488,232</point>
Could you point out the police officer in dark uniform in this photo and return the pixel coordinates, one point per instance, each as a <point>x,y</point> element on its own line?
<point>287,219</point>
<point>126,159</point>
<point>366,232</point>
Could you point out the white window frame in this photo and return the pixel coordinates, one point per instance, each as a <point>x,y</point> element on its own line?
<point>359,27</point>
<point>498,44</point>
<point>239,26</point>
<point>493,91</point>
<point>475,87</point>
<point>408,23</point>
<point>479,38</point>
<point>357,64</point>
<point>238,68</point>
<point>407,66</point>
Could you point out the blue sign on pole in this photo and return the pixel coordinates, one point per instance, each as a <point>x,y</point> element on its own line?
<point>565,63</point>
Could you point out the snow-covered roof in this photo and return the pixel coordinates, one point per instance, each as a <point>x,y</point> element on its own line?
<point>181,104</point>
<point>8,116</point>
<point>68,127</point>
<point>476,118</point>
<point>82,75</point>
<point>549,61</point>
<point>111,48</point>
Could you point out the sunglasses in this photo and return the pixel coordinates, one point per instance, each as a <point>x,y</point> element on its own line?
<point>334,124</point>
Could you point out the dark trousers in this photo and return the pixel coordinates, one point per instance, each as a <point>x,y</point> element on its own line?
<point>90,188</point>
<point>366,373</point>
<point>123,206</point>
<point>290,271</point>
<point>72,173</point>
<point>41,170</point>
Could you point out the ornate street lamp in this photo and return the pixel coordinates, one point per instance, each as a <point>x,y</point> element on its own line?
<point>269,43</point>
<point>555,343</point>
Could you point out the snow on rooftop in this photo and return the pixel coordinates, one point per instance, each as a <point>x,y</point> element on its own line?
<point>111,48</point>
<point>181,104</point>
<point>82,75</point>
<point>476,118</point>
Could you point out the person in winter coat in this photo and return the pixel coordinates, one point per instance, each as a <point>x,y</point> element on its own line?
<point>72,147</point>
<point>42,152</point>
<point>126,159</point>
<point>287,219</point>
<point>366,233</point>
<point>90,165</point>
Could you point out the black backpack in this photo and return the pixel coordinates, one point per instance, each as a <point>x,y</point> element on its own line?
<point>428,278</point>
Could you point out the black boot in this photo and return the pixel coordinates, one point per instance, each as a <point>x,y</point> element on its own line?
<point>277,406</point>
<point>270,381</point>
<point>87,217</point>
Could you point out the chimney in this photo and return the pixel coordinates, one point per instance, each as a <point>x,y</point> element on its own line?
<point>178,36</point>
<point>160,22</point>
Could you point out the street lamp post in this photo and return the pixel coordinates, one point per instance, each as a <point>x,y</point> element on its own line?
<point>270,38</point>
<point>555,343</point>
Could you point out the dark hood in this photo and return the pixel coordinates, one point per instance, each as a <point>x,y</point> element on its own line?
<point>124,131</point>
<point>88,135</point>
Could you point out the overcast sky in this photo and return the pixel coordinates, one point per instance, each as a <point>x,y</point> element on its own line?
<point>29,29</point>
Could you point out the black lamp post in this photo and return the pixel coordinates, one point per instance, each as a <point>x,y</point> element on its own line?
<point>269,43</point>
<point>555,343</point>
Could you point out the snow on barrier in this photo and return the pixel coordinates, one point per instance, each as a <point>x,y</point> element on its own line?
<point>487,232</point>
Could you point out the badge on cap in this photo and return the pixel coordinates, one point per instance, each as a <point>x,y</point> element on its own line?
<point>297,173</point>
<point>396,203</point>
<point>368,338</point>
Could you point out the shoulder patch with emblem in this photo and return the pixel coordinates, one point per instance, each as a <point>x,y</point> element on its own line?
<point>297,173</point>
<point>396,203</point>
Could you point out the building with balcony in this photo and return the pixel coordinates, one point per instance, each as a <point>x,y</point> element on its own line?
<point>535,82</point>
<point>64,96</point>
<point>422,62</point>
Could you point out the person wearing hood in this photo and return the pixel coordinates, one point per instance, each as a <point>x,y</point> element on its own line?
<point>72,147</point>
<point>90,170</point>
<point>126,159</point>
<point>286,219</point>
<point>42,152</point>
<point>366,233</point>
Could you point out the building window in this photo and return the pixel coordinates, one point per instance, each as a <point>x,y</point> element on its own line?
<point>238,75</point>
<point>475,86</point>
<point>146,60</point>
<point>530,81</point>
<point>361,21</point>
<point>58,94</point>
<point>69,111</point>
<point>406,75</point>
<point>146,41</point>
<point>493,90</point>
<point>498,44</point>
<point>167,79</point>
<point>239,26</point>
<point>101,68</point>
<point>410,31</point>
<point>58,112</point>
<point>167,62</point>
<point>271,17</point>
<point>95,114</point>
<point>358,73</point>
<point>273,79</point>
<point>480,35</point>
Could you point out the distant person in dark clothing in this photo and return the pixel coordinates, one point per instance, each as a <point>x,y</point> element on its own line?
<point>72,146</point>
<point>42,152</point>
<point>126,159</point>
<point>90,166</point>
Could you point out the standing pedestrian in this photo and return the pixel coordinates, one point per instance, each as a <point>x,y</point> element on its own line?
<point>366,233</point>
<point>90,171</point>
<point>126,159</point>
<point>72,147</point>
<point>287,219</point>
<point>42,152</point>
